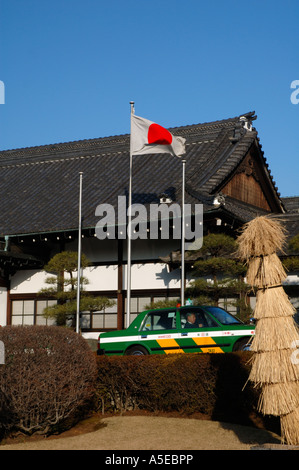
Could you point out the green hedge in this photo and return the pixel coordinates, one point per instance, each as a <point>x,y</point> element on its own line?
<point>214,385</point>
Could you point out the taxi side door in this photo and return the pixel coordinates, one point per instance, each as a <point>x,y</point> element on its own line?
<point>158,333</point>
<point>199,332</point>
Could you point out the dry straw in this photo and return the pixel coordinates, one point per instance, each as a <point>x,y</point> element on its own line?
<point>265,270</point>
<point>276,335</point>
<point>289,427</point>
<point>278,400</point>
<point>274,303</point>
<point>272,334</point>
<point>273,367</point>
<point>261,236</point>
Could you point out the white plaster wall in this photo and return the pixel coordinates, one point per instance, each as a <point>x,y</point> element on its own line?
<point>144,276</point>
<point>28,282</point>
<point>152,276</point>
<point>101,278</point>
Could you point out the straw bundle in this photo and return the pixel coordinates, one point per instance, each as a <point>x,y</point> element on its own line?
<point>273,303</point>
<point>261,236</point>
<point>277,400</point>
<point>273,367</point>
<point>276,334</point>
<point>289,427</point>
<point>265,270</point>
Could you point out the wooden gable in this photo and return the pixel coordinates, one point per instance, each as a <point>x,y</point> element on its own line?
<point>249,184</point>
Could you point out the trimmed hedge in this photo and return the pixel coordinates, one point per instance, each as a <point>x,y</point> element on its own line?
<point>51,377</point>
<point>48,378</point>
<point>214,385</point>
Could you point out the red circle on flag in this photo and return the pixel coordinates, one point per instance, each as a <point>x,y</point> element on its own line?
<point>158,135</point>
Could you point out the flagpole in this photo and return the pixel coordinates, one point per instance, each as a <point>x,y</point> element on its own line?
<point>129,233</point>
<point>183,237</point>
<point>79,257</point>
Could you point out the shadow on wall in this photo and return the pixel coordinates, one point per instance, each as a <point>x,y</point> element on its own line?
<point>168,277</point>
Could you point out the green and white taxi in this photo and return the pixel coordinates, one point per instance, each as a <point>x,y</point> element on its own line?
<point>187,329</point>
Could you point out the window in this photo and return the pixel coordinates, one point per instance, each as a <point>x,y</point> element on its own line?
<point>222,316</point>
<point>138,305</point>
<point>100,320</point>
<point>30,312</point>
<point>156,320</point>
<point>196,318</point>
<point>229,304</point>
<point>22,312</point>
<point>106,318</point>
<point>40,319</point>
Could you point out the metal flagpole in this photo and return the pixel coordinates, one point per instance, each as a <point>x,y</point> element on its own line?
<point>129,234</point>
<point>79,257</point>
<point>183,237</point>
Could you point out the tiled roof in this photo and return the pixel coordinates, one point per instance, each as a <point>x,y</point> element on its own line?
<point>39,188</point>
<point>291,204</point>
<point>291,218</point>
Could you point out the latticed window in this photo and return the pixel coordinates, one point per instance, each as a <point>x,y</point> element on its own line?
<point>22,312</point>
<point>30,312</point>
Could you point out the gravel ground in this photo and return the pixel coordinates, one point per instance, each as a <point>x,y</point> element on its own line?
<point>156,433</point>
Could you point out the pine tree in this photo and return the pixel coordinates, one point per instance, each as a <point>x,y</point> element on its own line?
<point>63,288</point>
<point>291,262</point>
<point>217,259</point>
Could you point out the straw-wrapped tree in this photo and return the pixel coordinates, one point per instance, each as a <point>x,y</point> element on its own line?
<point>275,367</point>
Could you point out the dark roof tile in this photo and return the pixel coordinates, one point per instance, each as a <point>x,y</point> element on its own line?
<point>40,185</point>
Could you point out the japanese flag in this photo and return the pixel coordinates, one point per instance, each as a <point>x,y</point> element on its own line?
<point>149,137</point>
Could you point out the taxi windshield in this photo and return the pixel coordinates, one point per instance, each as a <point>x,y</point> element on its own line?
<point>222,316</point>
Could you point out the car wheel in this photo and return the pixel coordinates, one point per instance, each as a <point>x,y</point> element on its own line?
<point>242,345</point>
<point>137,351</point>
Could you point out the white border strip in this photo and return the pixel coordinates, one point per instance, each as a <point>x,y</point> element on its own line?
<point>158,336</point>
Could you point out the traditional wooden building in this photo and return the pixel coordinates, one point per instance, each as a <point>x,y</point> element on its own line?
<point>226,172</point>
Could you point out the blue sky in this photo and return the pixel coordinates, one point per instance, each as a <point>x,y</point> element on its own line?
<point>71,67</point>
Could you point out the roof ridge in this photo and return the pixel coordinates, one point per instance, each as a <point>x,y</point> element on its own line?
<point>217,123</point>
<point>65,146</point>
<point>114,139</point>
